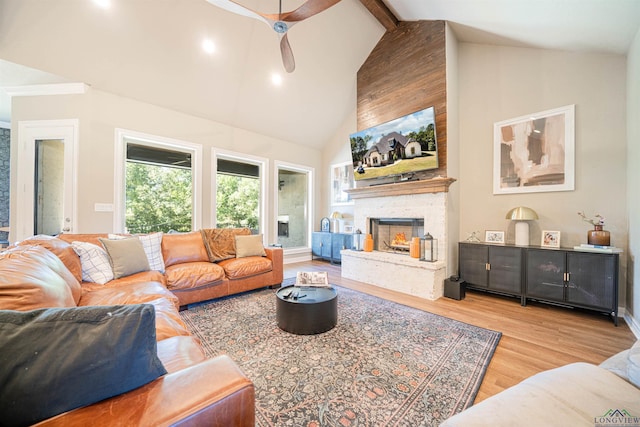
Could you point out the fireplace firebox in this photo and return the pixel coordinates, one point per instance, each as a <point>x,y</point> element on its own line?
<point>394,234</point>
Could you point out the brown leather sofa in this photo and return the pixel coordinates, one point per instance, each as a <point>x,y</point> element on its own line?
<point>191,276</point>
<point>43,273</point>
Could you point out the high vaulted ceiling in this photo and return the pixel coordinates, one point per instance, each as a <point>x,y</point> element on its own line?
<point>150,50</point>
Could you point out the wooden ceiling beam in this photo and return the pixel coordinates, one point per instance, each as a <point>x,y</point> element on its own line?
<point>382,13</point>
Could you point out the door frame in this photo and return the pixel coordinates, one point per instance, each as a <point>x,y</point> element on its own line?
<point>30,131</point>
<point>309,171</point>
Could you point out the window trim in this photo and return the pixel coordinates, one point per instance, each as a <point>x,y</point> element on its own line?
<point>263,167</point>
<point>119,203</point>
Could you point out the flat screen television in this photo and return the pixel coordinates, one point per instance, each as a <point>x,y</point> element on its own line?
<point>398,147</point>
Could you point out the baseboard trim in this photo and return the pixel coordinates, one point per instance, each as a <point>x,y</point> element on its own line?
<point>634,325</point>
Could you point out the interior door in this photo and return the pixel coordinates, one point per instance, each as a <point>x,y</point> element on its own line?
<point>46,179</point>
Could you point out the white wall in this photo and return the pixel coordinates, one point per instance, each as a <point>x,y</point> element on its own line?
<point>453,152</point>
<point>100,113</point>
<point>633,180</point>
<point>337,150</point>
<point>498,83</point>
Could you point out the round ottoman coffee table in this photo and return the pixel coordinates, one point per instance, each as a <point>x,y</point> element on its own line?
<point>306,310</point>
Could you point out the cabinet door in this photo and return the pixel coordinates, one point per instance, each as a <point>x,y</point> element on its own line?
<point>505,269</point>
<point>592,280</point>
<point>316,244</point>
<point>545,274</point>
<point>473,260</point>
<point>338,243</point>
<point>321,244</point>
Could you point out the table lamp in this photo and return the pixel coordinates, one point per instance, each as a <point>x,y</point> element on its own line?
<point>521,215</point>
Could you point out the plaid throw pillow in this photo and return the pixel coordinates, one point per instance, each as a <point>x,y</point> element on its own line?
<point>94,261</point>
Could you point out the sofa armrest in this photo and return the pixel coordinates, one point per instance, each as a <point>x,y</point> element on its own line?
<point>213,393</point>
<point>277,260</point>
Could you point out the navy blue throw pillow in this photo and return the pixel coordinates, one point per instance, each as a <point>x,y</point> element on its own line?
<point>55,360</point>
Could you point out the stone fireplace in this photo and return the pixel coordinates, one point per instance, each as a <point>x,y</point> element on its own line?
<point>413,208</point>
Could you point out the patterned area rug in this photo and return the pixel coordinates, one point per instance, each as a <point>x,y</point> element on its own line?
<point>384,364</point>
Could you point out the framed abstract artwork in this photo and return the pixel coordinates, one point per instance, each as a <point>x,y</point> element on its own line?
<point>535,153</point>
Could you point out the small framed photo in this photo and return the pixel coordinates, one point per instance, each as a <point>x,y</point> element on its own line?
<point>491,236</point>
<point>325,224</point>
<point>550,239</point>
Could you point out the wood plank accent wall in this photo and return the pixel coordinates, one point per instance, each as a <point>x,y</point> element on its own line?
<point>405,73</point>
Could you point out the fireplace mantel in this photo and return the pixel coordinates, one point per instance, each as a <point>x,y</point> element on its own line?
<point>433,185</point>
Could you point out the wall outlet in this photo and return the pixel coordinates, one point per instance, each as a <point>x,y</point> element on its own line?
<point>103,207</point>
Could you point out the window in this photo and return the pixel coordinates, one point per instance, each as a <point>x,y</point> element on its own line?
<point>239,189</point>
<point>158,190</point>
<point>159,186</point>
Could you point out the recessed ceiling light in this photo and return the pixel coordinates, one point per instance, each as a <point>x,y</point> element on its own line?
<point>103,4</point>
<point>208,46</point>
<point>276,79</point>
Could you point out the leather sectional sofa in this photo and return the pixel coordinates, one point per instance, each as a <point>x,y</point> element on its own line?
<point>46,273</point>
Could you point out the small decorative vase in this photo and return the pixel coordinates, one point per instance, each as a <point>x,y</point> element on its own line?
<point>368,243</point>
<point>598,236</point>
<point>414,247</point>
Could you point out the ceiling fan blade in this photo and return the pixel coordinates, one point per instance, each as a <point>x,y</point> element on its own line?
<point>308,9</point>
<point>287,54</point>
<point>238,9</point>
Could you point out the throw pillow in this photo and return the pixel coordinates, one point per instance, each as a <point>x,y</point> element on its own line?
<point>58,359</point>
<point>249,246</point>
<point>127,256</point>
<point>152,245</point>
<point>95,262</point>
<point>220,242</point>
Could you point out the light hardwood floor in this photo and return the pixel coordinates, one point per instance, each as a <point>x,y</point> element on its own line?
<point>534,338</point>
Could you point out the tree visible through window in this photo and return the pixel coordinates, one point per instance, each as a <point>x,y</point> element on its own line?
<point>237,195</point>
<point>159,190</point>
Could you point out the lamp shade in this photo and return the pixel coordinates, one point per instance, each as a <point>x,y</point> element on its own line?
<point>522,213</point>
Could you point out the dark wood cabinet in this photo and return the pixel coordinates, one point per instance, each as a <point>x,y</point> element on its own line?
<point>493,268</point>
<point>328,245</point>
<point>573,278</point>
<point>558,276</point>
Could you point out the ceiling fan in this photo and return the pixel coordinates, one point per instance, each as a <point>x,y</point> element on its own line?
<point>280,22</point>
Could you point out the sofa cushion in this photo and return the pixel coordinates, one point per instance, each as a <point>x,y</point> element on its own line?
<point>626,364</point>
<point>95,262</point>
<point>633,370</point>
<point>180,352</point>
<point>179,248</point>
<point>192,275</point>
<point>572,395</point>
<point>126,256</point>
<point>56,360</point>
<point>31,277</point>
<point>129,293</point>
<point>249,246</point>
<point>221,242</point>
<point>61,248</point>
<point>237,268</point>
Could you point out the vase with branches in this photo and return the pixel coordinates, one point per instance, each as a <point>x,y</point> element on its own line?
<point>597,236</point>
